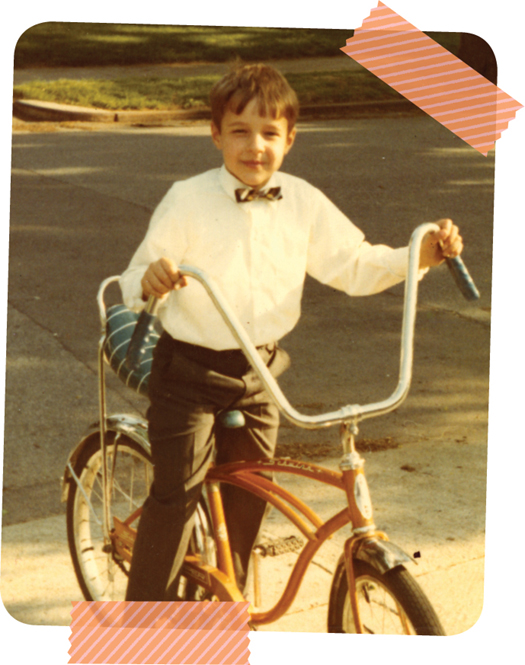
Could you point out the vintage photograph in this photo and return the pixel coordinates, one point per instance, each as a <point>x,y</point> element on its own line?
<point>233,280</point>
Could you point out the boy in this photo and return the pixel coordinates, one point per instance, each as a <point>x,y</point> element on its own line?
<point>257,232</point>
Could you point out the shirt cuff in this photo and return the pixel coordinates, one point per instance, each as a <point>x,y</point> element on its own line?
<point>397,263</point>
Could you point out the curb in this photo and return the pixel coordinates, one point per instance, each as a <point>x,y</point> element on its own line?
<point>37,111</point>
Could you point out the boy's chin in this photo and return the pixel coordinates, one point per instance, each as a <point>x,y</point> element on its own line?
<point>254,183</point>
<point>251,181</point>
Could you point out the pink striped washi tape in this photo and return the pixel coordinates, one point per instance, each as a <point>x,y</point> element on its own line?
<point>160,632</point>
<point>432,78</point>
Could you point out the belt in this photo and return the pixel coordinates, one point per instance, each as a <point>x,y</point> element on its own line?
<point>231,362</point>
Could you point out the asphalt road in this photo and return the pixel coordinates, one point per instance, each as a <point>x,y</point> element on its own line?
<point>81,201</point>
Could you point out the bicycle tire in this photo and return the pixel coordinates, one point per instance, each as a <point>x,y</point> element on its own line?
<point>101,576</point>
<point>391,603</point>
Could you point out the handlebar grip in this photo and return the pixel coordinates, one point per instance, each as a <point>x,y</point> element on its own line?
<point>143,328</point>
<point>462,278</point>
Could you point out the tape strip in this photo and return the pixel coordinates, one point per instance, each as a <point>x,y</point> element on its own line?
<point>432,78</point>
<point>163,632</point>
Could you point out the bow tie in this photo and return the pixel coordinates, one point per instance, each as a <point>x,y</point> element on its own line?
<point>245,195</point>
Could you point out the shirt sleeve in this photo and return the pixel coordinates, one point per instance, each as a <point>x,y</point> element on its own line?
<point>165,237</point>
<point>339,255</point>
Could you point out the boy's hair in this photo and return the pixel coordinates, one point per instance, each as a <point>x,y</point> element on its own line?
<point>262,82</point>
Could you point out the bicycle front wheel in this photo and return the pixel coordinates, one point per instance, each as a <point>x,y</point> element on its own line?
<point>391,603</point>
<point>101,573</point>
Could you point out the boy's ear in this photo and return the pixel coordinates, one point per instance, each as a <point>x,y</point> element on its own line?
<point>290,139</point>
<point>216,135</point>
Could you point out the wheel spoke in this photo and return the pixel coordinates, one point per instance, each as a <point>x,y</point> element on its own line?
<point>100,576</point>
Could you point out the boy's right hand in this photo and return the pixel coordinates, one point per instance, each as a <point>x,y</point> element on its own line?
<point>160,277</point>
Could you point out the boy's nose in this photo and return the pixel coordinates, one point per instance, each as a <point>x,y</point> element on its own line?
<point>256,142</point>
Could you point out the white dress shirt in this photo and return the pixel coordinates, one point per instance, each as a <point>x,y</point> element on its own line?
<point>258,253</point>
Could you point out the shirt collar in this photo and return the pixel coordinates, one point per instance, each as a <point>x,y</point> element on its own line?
<point>230,183</point>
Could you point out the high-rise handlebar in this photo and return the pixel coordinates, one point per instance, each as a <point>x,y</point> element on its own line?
<point>351,412</point>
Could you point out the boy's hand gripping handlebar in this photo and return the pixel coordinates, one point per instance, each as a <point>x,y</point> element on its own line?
<point>459,272</point>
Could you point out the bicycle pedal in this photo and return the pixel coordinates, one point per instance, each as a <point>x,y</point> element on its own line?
<point>279,546</point>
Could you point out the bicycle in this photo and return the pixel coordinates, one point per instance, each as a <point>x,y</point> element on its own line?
<point>108,474</point>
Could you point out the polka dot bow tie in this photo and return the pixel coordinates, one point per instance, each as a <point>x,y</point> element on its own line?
<point>245,195</point>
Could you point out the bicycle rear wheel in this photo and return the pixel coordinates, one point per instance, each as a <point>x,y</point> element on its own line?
<point>392,603</point>
<point>101,573</point>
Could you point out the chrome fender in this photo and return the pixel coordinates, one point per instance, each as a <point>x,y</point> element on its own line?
<point>134,427</point>
<point>381,554</point>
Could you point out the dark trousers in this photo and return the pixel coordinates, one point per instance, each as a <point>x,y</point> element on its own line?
<point>188,386</point>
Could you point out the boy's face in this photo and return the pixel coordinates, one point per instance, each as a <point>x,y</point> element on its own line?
<point>253,146</point>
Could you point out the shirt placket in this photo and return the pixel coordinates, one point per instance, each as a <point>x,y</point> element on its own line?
<point>259,211</point>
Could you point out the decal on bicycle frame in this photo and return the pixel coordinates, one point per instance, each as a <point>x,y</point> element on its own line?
<point>289,463</point>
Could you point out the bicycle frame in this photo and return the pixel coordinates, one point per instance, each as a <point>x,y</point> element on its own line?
<point>365,542</point>
<point>244,475</point>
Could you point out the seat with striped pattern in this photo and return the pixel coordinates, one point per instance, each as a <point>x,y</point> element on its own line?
<point>120,325</point>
